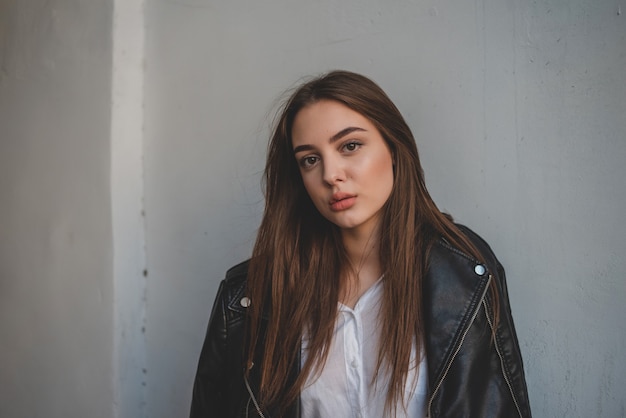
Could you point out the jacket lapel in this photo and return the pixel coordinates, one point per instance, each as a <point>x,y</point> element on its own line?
<point>452,291</point>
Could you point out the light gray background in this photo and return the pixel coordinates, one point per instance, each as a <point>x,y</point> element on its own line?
<point>133,139</point>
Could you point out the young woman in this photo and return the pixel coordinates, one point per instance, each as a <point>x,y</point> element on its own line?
<point>361,298</point>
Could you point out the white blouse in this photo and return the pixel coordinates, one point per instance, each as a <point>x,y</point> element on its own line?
<point>344,387</point>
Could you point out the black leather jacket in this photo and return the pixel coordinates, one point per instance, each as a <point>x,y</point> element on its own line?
<point>469,373</point>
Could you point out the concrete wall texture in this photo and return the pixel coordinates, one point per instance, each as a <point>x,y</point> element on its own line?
<point>518,109</point>
<point>56,293</point>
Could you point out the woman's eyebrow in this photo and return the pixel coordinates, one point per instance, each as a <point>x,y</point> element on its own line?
<point>344,132</point>
<point>334,138</point>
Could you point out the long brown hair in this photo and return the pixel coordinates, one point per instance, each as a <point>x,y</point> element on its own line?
<point>295,271</point>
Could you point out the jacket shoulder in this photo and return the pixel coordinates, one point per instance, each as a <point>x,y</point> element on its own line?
<point>481,245</point>
<point>233,288</point>
<point>237,273</point>
<point>476,239</point>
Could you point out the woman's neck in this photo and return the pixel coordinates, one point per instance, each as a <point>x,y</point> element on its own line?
<point>365,266</point>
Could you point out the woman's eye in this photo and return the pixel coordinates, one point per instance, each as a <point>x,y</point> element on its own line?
<point>352,146</point>
<point>308,161</point>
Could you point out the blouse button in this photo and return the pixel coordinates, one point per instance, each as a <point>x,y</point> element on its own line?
<point>480,269</point>
<point>245,302</point>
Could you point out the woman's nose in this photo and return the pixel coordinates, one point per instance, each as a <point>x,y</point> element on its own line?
<point>334,171</point>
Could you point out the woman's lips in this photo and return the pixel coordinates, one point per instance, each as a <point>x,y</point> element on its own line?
<point>342,201</point>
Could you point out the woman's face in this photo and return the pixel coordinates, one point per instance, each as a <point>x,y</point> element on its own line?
<point>346,165</point>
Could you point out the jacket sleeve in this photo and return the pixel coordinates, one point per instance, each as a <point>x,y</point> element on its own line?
<point>208,390</point>
<point>503,343</point>
<point>508,348</point>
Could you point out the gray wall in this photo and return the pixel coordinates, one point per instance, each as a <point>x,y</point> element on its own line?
<point>518,109</point>
<point>56,304</point>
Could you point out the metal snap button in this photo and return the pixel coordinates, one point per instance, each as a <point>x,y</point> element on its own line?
<point>480,269</point>
<point>245,302</point>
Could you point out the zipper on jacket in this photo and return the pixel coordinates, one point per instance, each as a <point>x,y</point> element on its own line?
<point>458,348</point>
<point>256,404</point>
<point>506,376</point>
